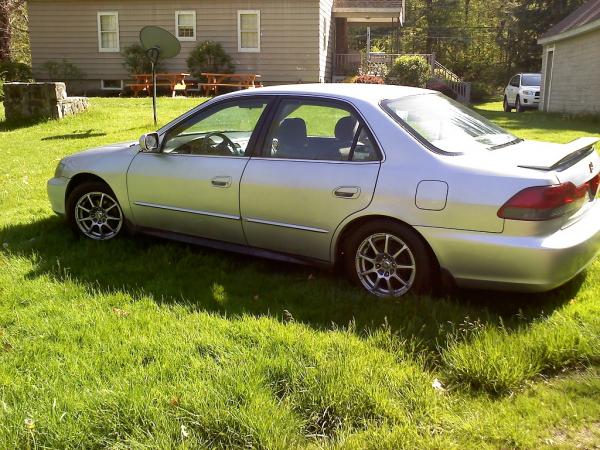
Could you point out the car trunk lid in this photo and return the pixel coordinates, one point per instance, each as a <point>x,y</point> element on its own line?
<point>576,163</point>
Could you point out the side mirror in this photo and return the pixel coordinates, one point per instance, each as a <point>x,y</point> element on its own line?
<point>149,142</point>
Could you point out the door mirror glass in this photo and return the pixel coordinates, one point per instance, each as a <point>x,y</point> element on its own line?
<point>149,142</point>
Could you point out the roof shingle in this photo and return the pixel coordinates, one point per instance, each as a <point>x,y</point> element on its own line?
<point>586,13</point>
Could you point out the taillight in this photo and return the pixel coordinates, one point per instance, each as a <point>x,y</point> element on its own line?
<point>594,184</point>
<point>546,202</point>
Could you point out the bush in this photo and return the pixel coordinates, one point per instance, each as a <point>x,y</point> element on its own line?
<point>136,62</point>
<point>374,68</point>
<point>209,56</point>
<point>409,71</point>
<point>482,91</point>
<point>61,71</point>
<point>369,79</point>
<point>15,71</point>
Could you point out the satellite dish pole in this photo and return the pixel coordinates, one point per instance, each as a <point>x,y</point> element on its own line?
<point>153,53</point>
<point>158,43</point>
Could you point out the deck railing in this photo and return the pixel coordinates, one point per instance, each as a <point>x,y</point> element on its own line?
<point>350,63</point>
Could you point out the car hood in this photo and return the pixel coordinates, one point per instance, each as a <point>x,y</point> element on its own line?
<point>109,158</point>
<point>108,149</point>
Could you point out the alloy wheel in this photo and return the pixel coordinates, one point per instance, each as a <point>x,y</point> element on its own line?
<point>98,216</point>
<point>385,265</point>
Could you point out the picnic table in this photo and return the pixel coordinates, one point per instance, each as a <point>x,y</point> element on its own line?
<point>234,80</point>
<point>175,82</point>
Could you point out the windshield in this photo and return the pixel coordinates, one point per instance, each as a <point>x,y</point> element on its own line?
<point>532,79</point>
<point>447,124</point>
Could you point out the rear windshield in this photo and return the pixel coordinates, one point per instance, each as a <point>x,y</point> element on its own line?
<point>447,125</point>
<point>532,79</point>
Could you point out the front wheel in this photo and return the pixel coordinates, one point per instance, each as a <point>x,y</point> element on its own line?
<point>519,106</point>
<point>505,105</point>
<point>388,259</point>
<point>93,212</point>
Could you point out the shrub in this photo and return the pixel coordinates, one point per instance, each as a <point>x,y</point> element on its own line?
<point>409,71</point>
<point>482,91</point>
<point>60,71</point>
<point>15,71</point>
<point>135,60</point>
<point>369,79</point>
<point>374,68</point>
<point>209,56</point>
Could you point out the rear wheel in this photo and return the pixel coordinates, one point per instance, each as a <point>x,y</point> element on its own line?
<point>388,259</point>
<point>505,105</point>
<point>93,212</point>
<point>519,106</point>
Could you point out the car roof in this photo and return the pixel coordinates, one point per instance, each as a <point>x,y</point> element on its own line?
<point>372,93</point>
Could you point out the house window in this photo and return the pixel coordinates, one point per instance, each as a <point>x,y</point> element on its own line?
<point>112,85</point>
<point>249,31</point>
<point>108,31</point>
<point>185,22</point>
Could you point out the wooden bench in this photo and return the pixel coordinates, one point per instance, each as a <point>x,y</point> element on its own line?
<point>232,80</point>
<point>136,88</point>
<point>175,82</point>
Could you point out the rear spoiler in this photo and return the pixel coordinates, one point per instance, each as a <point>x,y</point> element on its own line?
<point>569,154</point>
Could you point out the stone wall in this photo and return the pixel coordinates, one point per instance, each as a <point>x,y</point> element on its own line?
<point>24,101</point>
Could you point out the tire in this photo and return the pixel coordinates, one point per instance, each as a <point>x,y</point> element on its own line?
<point>406,267</point>
<point>505,105</point>
<point>519,106</point>
<point>93,212</point>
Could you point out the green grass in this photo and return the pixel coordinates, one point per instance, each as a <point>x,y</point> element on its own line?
<point>143,343</point>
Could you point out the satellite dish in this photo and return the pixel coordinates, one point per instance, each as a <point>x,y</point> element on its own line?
<point>158,44</point>
<point>158,38</point>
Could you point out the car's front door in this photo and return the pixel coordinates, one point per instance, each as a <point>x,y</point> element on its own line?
<point>514,89</point>
<point>192,185</point>
<point>317,165</point>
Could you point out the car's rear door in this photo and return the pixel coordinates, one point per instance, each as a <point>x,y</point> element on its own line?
<point>192,185</point>
<point>317,164</point>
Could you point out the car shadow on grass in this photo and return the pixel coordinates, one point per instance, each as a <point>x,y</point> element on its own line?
<point>229,284</point>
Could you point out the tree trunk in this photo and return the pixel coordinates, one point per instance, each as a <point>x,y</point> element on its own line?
<point>5,30</point>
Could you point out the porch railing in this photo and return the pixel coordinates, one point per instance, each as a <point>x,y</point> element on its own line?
<point>349,63</point>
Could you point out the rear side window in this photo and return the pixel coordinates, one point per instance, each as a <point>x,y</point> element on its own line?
<point>318,130</point>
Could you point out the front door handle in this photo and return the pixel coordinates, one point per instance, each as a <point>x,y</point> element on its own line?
<point>347,192</point>
<point>222,182</point>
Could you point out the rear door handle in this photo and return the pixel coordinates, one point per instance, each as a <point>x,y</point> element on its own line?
<point>347,192</point>
<point>222,182</point>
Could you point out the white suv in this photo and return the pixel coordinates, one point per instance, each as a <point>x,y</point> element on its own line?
<point>522,92</point>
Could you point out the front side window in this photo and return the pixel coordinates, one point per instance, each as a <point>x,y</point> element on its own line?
<point>515,81</point>
<point>185,22</point>
<point>108,31</point>
<point>447,124</point>
<point>222,131</point>
<point>318,130</point>
<point>249,31</point>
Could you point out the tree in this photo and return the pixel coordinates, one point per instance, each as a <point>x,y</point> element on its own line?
<point>11,12</point>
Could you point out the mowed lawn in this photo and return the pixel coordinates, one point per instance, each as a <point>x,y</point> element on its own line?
<point>143,343</point>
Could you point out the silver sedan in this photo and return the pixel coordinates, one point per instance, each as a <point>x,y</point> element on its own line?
<point>403,187</point>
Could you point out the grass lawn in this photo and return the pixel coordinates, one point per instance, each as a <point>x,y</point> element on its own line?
<point>142,343</point>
